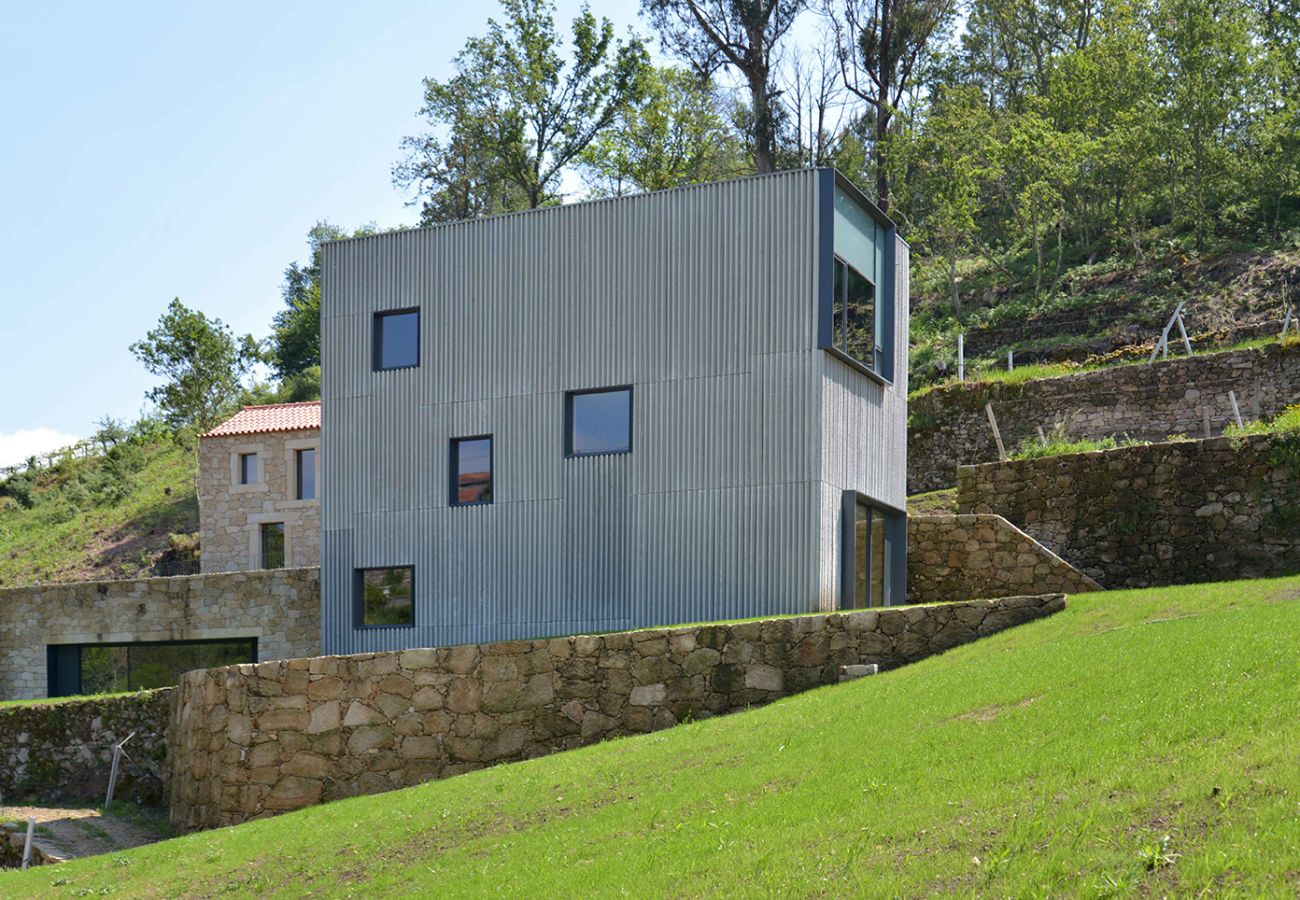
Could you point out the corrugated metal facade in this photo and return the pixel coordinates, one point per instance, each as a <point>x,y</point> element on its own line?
<point>705,300</point>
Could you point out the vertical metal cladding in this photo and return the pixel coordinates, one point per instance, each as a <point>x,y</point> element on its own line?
<point>704,300</point>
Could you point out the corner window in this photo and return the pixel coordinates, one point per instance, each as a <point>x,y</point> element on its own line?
<point>305,463</point>
<point>248,468</point>
<point>385,597</point>
<point>853,316</point>
<point>396,339</point>
<point>273,545</point>
<point>471,471</point>
<point>867,542</point>
<point>598,421</point>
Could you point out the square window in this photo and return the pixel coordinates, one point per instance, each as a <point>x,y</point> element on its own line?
<point>397,339</point>
<point>305,463</point>
<point>471,471</point>
<point>598,421</point>
<point>273,545</point>
<point>248,468</point>
<point>385,597</point>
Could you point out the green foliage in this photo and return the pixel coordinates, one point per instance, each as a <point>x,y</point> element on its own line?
<point>1286,421</point>
<point>203,364</point>
<point>517,112</point>
<point>1050,760</point>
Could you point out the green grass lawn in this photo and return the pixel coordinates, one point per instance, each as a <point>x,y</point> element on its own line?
<point>1141,742</point>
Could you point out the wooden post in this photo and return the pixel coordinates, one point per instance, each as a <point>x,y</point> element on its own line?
<point>1205,419</point>
<point>27,845</point>
<point>1011,360</point>
<point>997,436</point>
<point>961,357</point>
<point>1236,410</point>
<point>1042,438</point>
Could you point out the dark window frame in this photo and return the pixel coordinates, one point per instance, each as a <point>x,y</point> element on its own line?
<point>453,470</point>
<point>243,468</point>
<point>359,600</point>
<point>297,465</point>
<point>569,452</point>
<point>890,517</point>
<point>883,372</point>
<point>284,544</point>
<point>59,656</point>
<point>377,342</point>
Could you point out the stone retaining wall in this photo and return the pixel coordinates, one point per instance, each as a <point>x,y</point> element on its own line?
<point>948,426</point>
<point>965,557</point>
<point>1170,513</point>
<point>57,752</point>
<point>255,740</point>
<point>279,607</point>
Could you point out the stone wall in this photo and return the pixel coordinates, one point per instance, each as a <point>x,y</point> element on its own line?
<point>255,740</point>
<point>280,608</point>
<point>1170,513</point>
<point>61,752</point>
<point>964,557</point>
<point>948,426</point>
<point>231,514</point>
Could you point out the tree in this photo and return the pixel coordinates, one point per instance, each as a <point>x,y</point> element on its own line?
<point>203,362</point>
<point>743,34</point>
<point>517,114</point>
<point>295,330</point>
<point>676,135</point>
<point>879,44</point>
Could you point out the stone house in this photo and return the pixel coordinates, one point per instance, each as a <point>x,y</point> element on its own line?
<point>259,502</point>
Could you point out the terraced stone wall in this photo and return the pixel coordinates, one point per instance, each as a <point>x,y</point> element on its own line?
<point>255,740</point>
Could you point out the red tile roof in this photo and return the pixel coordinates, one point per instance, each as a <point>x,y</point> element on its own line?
<point>273,417</point>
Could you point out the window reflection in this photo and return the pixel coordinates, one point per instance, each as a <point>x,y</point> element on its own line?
<point>853,314</point>
<point>471,461</point>
<point>397,339</point>
<point>600,422</point>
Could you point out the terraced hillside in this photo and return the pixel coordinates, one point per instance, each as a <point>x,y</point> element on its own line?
<point>1138,743</point>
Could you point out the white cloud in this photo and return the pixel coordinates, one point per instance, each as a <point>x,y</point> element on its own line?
<point>16,447</point>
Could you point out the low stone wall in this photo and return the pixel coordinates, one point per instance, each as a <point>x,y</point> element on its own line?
<point>1170,513</point>
<point>279,607</point>
<point>983,555</point>
<point>255,740</point>
<point>948,426</point>
<point>59,752</point>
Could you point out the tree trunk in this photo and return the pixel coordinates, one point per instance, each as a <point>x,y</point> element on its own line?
<point>952,281</point>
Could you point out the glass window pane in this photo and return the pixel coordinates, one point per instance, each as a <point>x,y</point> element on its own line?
<point>273,545</point>
<point>877,558</point>
<point>306,474</point>
<point>472,459</point>
<point>387,596</point>
<point>837,307</point>
<point>161,665</point>
<point>861,537</point>
<point>860,318</point>
<point>248,468</point>
<point>398,342</point>
<point>104,670</point>
<point>600,422</point>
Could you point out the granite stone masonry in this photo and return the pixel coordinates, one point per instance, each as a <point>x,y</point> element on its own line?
<point>61,752</point>
<point>255,740</point>
<point>964,557</point>
<point>1169,513</point>
<point>948,426</point>
<point>280,608</point>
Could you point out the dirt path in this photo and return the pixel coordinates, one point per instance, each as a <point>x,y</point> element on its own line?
<point>70,833</point>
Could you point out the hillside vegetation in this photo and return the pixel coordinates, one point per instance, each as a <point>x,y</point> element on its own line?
<point>1140,742</point>
<point>106,516</point>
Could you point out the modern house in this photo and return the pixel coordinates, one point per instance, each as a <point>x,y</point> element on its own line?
<point>681,406</point>
<point>259,507</point>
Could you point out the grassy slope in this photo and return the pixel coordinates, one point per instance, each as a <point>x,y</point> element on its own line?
<point>1052,759</point>
<point>68,537</point>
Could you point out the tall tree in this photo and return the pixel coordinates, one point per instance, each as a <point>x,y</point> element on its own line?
<point>518,113</point>
<point>879,44</point>
<point>745,35</point>
<point>203,364</point>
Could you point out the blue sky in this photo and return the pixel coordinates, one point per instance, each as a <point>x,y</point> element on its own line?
<point>155,150</point>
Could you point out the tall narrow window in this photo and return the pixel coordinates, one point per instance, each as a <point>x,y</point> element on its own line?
<point>598,421</point>
<point>305,463</point>
<point>273,545</point>
<point>385,597</point>
<point>396,339</point>
<point>853,316</point>
<point>866,552</point>
<point>248,468</point>
<point>471,471</point>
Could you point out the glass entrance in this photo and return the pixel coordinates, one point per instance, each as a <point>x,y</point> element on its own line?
<point>865,554</point>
